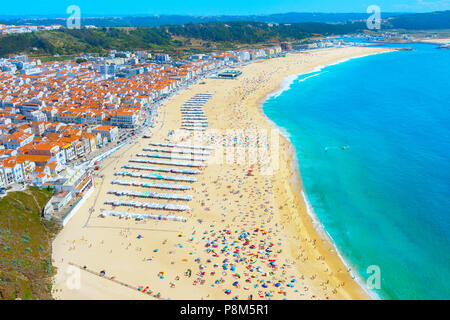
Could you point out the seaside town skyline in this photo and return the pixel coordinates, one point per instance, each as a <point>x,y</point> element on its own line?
<point>55,113</point>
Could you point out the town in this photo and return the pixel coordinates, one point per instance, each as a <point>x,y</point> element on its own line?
<point>11,29</point>
<point>57,119</point>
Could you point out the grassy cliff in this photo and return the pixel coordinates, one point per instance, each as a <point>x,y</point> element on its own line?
<point>25,246</point>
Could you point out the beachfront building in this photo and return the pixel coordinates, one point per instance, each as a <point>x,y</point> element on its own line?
<point>244,56</point>
<point>75,180</point>
<point>257,54</point>
<point>125,119</point>
<point>109,133</point>
<point>230,74</point>
<point>60,200</point>
<point>270,52</point>
<point>286,46</point>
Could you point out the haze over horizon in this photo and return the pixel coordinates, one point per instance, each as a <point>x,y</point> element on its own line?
<point>207,7</point>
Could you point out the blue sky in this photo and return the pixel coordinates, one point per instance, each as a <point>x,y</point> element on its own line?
<point>212,7</point>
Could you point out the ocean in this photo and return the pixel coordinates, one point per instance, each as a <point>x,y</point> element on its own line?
<point>372,137</point>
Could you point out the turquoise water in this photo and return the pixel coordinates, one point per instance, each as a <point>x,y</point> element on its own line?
<point>385,199</point>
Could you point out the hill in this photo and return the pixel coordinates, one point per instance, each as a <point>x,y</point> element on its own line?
<point>258,32</point>
<point>25,255</point>
<point>171,37</point>
<point>157,21</point>
<point>421,21</point>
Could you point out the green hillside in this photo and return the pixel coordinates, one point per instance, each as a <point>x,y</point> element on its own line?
<point>421,21</point>
<point>25,246</point>
<point>68,42</point>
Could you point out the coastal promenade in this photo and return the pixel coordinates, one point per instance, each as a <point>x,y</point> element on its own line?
<point>247,233</point>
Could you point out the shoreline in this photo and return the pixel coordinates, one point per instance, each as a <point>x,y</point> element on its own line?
<point>101,243</point>
<point>297,181</point>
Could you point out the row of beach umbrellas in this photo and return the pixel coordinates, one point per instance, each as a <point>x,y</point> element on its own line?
<point>154,176</point>
<point>147,205</point>
<point>152,185</point>
<point>169,163</point>
<point>156,195</point>
<point>105,213</point>
<point>172,156</point>
<point>160,169</point>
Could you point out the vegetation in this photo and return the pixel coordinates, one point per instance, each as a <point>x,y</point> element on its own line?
<point>68,42</point>
<point>148,33</point>
<point>161,20</point>
<point>422,21</point>
<point>215,34</point>
<point>26,269</point>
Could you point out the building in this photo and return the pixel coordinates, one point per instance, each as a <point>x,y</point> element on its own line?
<point>53,150</point>
<point>286,46</point>
<point>73,180</point>
<point>162,58</point>
<point>12,171</point>
<point>230,74</point>
<point>108,70</point>
<point>124,119</point>
<point>18,139</point>
<point>108,133</point>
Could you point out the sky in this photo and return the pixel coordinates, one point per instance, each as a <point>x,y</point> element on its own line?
<point>213,7</point>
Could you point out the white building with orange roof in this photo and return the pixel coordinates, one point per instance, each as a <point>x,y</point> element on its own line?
<point>12,171</point>
<point>28,167</point>
<point>5,153</point>
<point>51,149</point>
<point>18,139</point>
<point>109,133</point>
<point>38,127</point>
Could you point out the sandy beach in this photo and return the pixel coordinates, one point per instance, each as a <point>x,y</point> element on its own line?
<point>246,235</point>
<point>436,41</point>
